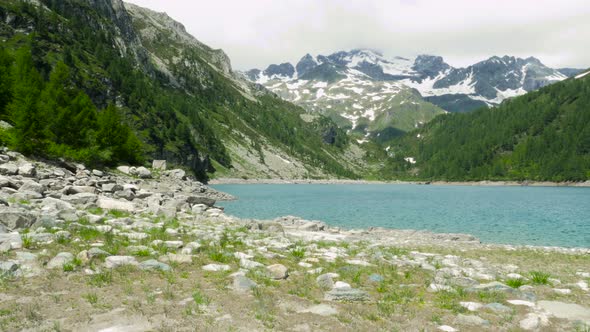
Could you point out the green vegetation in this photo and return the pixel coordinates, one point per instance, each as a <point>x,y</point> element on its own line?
<point>543,135</point>
<point>539,278</point>
<point>515,283</point>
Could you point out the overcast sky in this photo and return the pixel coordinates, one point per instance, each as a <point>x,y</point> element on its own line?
<point>255,33</point>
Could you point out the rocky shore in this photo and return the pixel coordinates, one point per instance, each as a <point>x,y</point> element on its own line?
<point>434,183</point>
<point>138,249</point>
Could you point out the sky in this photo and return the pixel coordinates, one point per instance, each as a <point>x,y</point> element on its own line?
<point>256,33</point>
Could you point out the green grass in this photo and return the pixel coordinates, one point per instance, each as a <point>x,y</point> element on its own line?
<point>515,283</point>
<point>298,253</point>
<point>101,279</point>
<point>92,298</point>
<point>200,298</point>
<point>96,211</point>
<point>27,242</point>
<point>119,214</point>
<point>89,234</point>
<point>539,278</point>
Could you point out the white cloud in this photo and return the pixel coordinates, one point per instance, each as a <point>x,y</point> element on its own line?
<point>256,33</point>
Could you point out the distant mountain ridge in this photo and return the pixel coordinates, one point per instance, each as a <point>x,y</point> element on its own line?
<point>439,86</point>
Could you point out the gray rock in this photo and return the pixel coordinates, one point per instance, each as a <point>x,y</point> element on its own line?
<point>113,204</point>
<point>6,182</point>
<point>98,173</point>
<point>97,252</point>
<point>216,267</point>
<point>60,260</point>
<point>177,258</point>
<point>116,261</point>
<point>111,187</point>
<point>8,169</point>
<point>497,307</point>
<point>321,310</point>
<point>15,218</point>
<point>27,170</point>
<point>325,281</point>
<point>471,320</point>
<point>153,264</point>
<point>569,311</point>
<point>346,295</point>
<point>124,169</point>
<point>10,241</point>
<point>463,282</point>
<point>80,189</point>
<point>80,199</point>
<point>492,286</point>
<point>193,200</point>
<point>127,194</point>
<point>159,165</point>
<point>33,186</point>
<point>144,173</point>
<point>277,271</point>
<point>243,284</point>
<point>176,174</point>
<point>8,268</point>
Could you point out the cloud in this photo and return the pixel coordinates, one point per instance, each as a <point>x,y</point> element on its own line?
<point>256,33</point>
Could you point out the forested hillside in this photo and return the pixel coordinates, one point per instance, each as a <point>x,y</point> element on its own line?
<point>543,135</point>
<point>77,82</point>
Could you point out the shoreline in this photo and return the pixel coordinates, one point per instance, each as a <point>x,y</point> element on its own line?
<point>427,237</point>
<point>485,183</point>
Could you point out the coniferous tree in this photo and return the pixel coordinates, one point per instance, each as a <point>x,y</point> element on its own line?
<point>29,122</point>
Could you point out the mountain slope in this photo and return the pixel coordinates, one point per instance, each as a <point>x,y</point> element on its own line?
<point>543,135</point>
<point>486,83</point>
<point>180,97</point>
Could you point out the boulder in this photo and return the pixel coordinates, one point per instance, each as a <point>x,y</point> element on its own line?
<point>569,311</point>
<point>32,186</point>
<point>80,189</point>
<point>471,320</point>
<point>111,187</point>
<point>6,182</point>
<point>8,169</point>
<point>8,268</point>
<point>176,258</point>
<point>176,174</point>
<point>277,271</point>
<point>159,165</point>
<point>10,241</point>
<point>153,264</point>
<point>15,218</point>
<point>60,260</point>
<point>124,169</point>
<point>114,204</point>
<point>127,194</point>
<point>27,170</point>
<point>112,262</point>
<point>216,267</point>
<point>143,173</point>
<point>195,200</point>
<point>346,295</point>
<point>321,310</point>
<point>243,284</point>
<point>97,173</point>
<point>80,199</point>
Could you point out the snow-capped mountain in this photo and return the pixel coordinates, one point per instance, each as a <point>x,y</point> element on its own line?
<point>365,91</point>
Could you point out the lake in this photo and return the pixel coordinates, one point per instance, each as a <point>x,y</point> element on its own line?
<point>545,216</point>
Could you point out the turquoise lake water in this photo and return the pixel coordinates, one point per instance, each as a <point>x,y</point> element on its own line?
<point>545,216</point>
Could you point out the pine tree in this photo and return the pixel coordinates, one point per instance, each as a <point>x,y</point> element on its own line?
<point>29,131</point>
<point>5,81</point>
